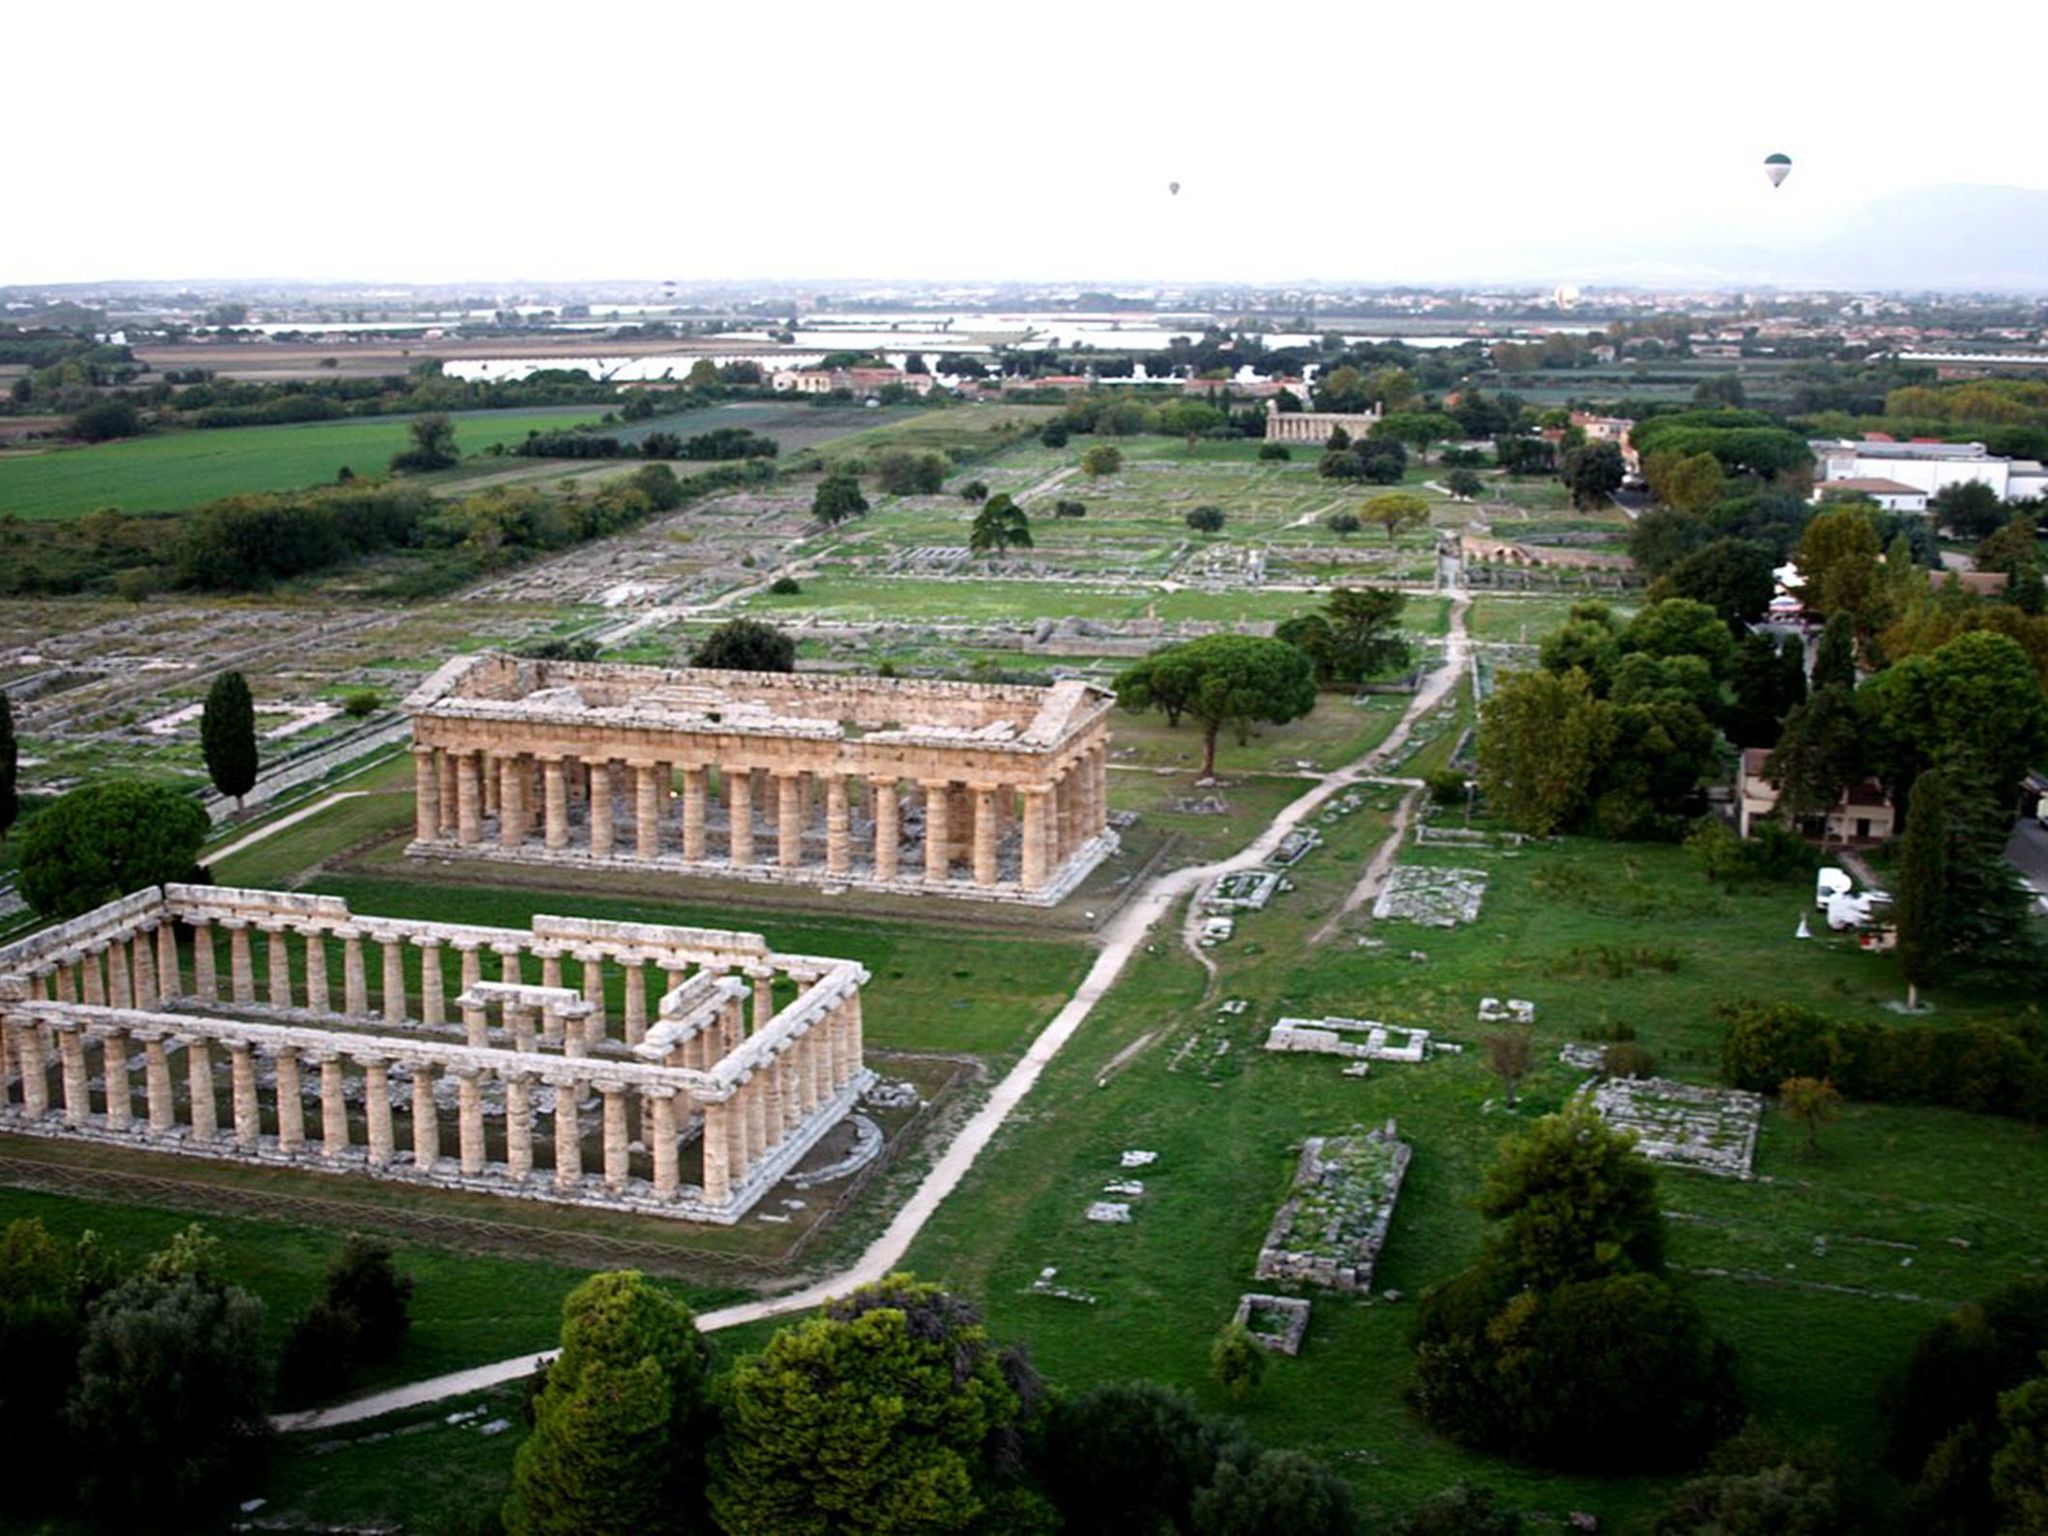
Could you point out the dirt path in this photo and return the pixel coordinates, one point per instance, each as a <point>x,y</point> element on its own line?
<point>1049,484</point>
<point>1120,940</point>
<point>271,829</point>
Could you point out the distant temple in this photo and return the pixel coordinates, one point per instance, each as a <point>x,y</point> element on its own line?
<point>1315,426</point>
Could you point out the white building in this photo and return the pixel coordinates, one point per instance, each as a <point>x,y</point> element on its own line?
<point>1929,468</point>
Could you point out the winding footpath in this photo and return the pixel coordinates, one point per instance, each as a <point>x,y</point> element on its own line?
<point>1121,939</point>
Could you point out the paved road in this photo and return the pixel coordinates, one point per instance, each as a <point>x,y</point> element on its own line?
<point>2027,852</point>
<point>1120,941</point>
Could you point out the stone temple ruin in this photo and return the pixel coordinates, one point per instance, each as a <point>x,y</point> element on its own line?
<point>1330,1229</point>
<point>702,1102</point>
<point>1713,1130</point>
<point>964,789</point>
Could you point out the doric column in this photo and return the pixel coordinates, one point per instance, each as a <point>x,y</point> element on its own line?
<point>426,796</point>
<point>732,1024</point>
<point>279,964</point>
<point>763,977</point>
<point>113,1071</point>
<point>156,1083</point>
<point>738,786</point>
<point>518,1125</point>
<point>314,944</point>
<point>596,1027</point>
<point>937,846</point>
<point>490,769</point>
<point>510,972</point>
<point>772,1112</point>
<point>659,1118</point>
<point>519,1025</point>
<point>717,1127</point>
<point>377,1108</point>
<point>394,978</point>
<point>444,770</point>
<point>333,1110</point>
<point>426,1121</point>
<point>92,981</point>
<point>838,826</point>
<point>789,826</point>
<point>695,792</point>
<point>476,1025</point>
<point>119,993</point>
<point>513,775</point>
<point>35,1082</point>
<point>199,1087</point>
<point>242,1089</point>
<point>469,821</point>
<point>615,1165</point>
<point>204,981</point>
<point>433,991</point>
<point>856,1047</point>
<point>984,834</point>
<point>550,965</point>
<point>568,1139</point>
<point>601,808</point>
<point>64,983</point>
<point>636,1001</point>
<point>1036,811</point>
<point>169,983</point>
<point>759,1086</point>
<point>291,1102</point>
<point>77,1085</point>
<point>472,962</point>
<point>355,986</point>
<point>470,1122</point>
<point>888,833</point>
<point>739,1140</point>
<point>145,969</point>
<point>557,804</point>
<point>646,812</point>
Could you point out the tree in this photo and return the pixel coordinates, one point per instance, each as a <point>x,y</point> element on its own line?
<point>904,473</point>
<point>1593,473</point>
<point>838,498</point>
<point>227,736</point>
<point>1463,1509</point>
<point>1102,459</point>
<point>1838,558</point>
<point>889,1412</point>
<point>106,420</point>
<point>1390,388</point>
<point>1733,576</point>
<point>10,769</point>
<point>1922,909</point>
<point>1663,536</point>
<point>1834,659</point>
<point>433,444</point>
<point>1416,429</point>
<point>1206,519</point>
<point>1397,512</point>
<point>1976,700</point>
<point>1131,1456</point>
<point>1190,419</point>
<point>998,526</point>
<point>1811,1102</point>
<point>2019,1470</point>
<point>1509,1055</point>
<point>1223,680</point>
<point>102,841</point>
<point>169,1399</point>
<point>1356,635</point>
<point>1541,736</point>
<point>658,483</point>
<point>1067,507</point>
<point>1572,1200</point>
<point>1239,1361</point>
<point>1970,510</point>
<point>746,645</point>
<point>974,492</point>
<point>40,1325</point>
<point>1820,753</point>
<point>1278,1493</point>
<point>1689,483</point>
<point>620,1421</point>
<point>1344,524</point>
<point>1769,682</point>
<point>1464,484</point>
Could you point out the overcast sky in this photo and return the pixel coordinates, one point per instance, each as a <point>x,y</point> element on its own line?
<point>431,141</point>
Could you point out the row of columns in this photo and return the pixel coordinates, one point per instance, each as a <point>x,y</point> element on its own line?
<point>963,821</point>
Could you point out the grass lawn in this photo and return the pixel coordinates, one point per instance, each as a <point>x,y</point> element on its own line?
<point>182,469</point>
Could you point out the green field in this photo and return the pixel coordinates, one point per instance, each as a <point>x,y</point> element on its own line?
<point>177,470</point>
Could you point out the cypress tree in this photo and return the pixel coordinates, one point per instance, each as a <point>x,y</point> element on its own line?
<point>227,735</point>
<point>10,768</point>
<point>1923,885</point>
<point>1834,662</point>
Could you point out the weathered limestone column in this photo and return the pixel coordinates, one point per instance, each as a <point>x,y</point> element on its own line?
<point>717,1128</point>
<point>279,964</point>
<point>789,828</point>
<point>377,1108</point>
<point>792,1090</point>
<point>1035,812</point>
<point>696,788</point>
<point>888,830</point>
<point>145,968</point>
<point>314,944</point>
<point>568,1139</point>
<point>470,1122</point>
<point>444,771</point>
<point>601,833</point>
<point>518,1124</point>
<point>1099,802</point>
<point>739,812</point>
<point>739,1157</point>
<point>984,834</point>
<point>763,978</point>
<point>658,1115</point>
<point>646,812</point>
<point>241,974</point>
<point>433,991</point>
<point>119,993</point>
<point>773,1116</point>
<point>512,785</point>
<point>636,1001</point>
<point>615,1164</point>
<point>242,1089</point>
<point>856,1047</point>
<point>92,985</point>
<point>938,848</point>
<point>472,962</point>
<point>333,1110</point>
<point>169,981</point>
<point>113,1070</point>
<point>469,821</point>
<point>393,949</point>
<point>355,986</point>
<point>35,1082</point>
<point>519,1024</point>
<point>204,981</point>
<point>476,1025</point>
<point>426,796</point>
<point>77,1085</point>
<point>838,826</point>
<point>759,1087</point>
<point>510,971</point>
<point>550,965</point>
<point>596,1026</point>
<point>426,1120</point>
<point>291,1102</point>
<point>556,797</point>
<point>491,767</point>
<point>199,1085</point>
<point>156,1082</point>
<point>63,988</point>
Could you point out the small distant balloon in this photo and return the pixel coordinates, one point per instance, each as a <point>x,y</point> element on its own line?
<point>1173,187</point>
<point>1777,167</point>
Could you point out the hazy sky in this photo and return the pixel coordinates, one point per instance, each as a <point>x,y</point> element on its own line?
<point>432,141</point>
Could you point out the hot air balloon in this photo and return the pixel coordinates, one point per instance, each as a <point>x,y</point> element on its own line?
<point>1173,187</point>
<point>1777,167</point>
